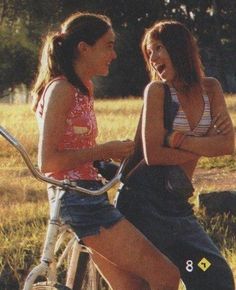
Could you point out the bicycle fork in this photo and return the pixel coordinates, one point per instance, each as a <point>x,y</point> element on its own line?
<point>49,245</point>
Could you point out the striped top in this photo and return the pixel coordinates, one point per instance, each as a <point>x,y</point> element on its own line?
<point>181,122</point>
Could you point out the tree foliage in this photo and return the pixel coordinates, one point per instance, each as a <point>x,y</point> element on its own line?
<point>23,23</point>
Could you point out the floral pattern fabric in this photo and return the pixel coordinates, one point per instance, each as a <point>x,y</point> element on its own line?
<point>80,132</point>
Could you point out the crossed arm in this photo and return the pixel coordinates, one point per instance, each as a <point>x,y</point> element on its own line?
<point>220,137</point>
<point>153,131</point>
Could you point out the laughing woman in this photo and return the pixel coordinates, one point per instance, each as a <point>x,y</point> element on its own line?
<point>201,126</point>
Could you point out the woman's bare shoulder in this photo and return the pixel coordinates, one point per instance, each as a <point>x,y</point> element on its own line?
<point>62,87</point>
<point>211,84</point>
<point>154,88</point>
<point>60,93</point>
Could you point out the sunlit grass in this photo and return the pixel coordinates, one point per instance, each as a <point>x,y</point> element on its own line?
<point>23,203</point>
<point>22,231</point>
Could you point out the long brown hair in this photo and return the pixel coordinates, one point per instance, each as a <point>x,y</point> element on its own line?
<point>59,50</point>
<point>182,48</point>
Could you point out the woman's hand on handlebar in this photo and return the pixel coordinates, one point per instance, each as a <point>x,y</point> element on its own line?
<point>117,150</point>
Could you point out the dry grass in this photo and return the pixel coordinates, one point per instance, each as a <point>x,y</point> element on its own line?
<point>23,204</point>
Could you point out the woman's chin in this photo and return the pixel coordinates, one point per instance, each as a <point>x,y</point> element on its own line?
<point>103,73</point>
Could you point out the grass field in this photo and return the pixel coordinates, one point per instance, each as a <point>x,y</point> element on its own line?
<point>23,203</point>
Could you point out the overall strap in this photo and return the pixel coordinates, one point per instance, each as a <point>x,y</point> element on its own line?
<point>137,156</point>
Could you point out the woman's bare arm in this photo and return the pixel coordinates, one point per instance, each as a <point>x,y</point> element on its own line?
<point>213,144</point>
<point>153,130</point>
<point>58,101</point>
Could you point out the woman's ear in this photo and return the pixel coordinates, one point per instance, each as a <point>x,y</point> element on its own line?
<point>82,47</point>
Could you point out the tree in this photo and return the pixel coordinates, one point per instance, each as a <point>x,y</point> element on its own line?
<point>24,22</point>
<point>18,60</point>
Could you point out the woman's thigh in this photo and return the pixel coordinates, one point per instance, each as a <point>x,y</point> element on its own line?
<point>127,248</point>
<point>116,277</point>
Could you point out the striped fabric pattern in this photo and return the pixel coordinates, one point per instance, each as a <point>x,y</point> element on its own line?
<point>181,122</point>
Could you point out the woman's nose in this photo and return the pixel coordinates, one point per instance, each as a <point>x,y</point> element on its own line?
<point>153,56</point>
<point>114,54</point>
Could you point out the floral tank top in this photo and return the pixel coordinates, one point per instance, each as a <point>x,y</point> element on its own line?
<point>80,132</point>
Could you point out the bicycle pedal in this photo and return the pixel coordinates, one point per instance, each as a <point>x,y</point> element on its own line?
<point>49,286</point>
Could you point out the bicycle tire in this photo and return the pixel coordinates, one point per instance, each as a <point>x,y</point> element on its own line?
<point>81,270</point>
<point>49,286</point>
<point>87,277</point>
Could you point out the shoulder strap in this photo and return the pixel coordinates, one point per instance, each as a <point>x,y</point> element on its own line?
<point>168,114</point>
<point>137,156</point>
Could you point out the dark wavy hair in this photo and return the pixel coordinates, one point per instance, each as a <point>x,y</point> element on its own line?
<point>182,48</point>
<point>59,50</point>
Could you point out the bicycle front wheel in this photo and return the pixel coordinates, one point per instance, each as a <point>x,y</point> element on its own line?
<point>86,277</point>
<point>49,286</point>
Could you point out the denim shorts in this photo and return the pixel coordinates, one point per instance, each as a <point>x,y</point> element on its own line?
<point>85,213</point>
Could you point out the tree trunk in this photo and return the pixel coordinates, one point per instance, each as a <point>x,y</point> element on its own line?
<point>2,11</point>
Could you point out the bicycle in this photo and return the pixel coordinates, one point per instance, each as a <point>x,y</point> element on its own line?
<point>81,271</point>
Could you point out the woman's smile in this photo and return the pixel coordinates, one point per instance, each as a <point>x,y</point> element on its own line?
<point>160,60</point>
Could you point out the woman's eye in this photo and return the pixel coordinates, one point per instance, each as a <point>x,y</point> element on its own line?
<point>158,47</point>
<point>110,46</point>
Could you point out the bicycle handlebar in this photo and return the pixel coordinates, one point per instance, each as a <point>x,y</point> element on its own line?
<point>66,184</point>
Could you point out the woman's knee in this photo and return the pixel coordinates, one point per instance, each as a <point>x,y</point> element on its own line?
<point>157,269</point>
<point>165,278</point>
<point>172,280</point>
<point>126,283</point>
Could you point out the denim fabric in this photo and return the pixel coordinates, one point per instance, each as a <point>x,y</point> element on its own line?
<point>86,213</point>
<point>181,239</point>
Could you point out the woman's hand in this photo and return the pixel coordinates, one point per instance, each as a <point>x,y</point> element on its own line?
<point>220,125</point>
<point>174,139</point>
<point>117,150</point>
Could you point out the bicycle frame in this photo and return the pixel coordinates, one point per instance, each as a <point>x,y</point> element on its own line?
<point>54,225</point>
